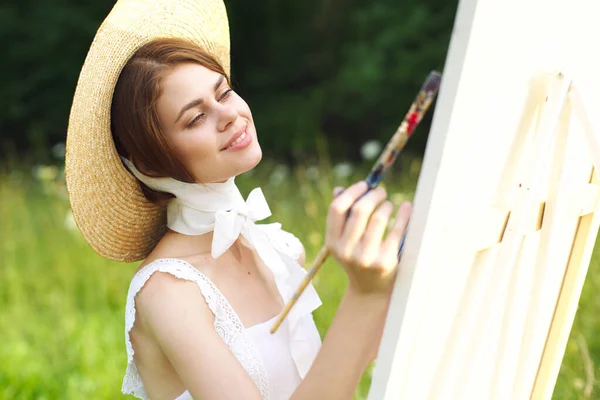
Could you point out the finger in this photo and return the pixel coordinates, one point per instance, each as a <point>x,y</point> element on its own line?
<point>337,191</point>
<point>392,242</point>
<point>402,242</point>
<point>336,217</point>
<point>360,214</point>
<point>370,243</point>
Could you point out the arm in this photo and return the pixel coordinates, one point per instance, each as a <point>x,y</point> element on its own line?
<point>355,229</point>
<point>178,319</point>
<point>344,357</point>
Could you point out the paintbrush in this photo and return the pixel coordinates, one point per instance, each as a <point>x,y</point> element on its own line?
<point>384,162</point>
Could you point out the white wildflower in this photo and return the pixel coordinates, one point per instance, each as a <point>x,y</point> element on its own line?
<point>312,173</point>
<point>58,150</point>
<point>45,173</point>
<point>280,172</point>
<point>342,170</point>
<point>370,150</point>
<point>69,222</point>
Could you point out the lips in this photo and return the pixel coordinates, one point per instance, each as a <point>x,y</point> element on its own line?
<point>233,137</point>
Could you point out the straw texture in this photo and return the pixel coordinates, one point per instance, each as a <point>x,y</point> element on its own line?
<point>108,205</point>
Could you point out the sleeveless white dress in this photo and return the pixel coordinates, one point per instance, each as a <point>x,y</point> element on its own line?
<point>275,363</point>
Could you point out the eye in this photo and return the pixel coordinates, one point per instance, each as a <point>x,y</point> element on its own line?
<point>226,94</point>
<point>195,120</point>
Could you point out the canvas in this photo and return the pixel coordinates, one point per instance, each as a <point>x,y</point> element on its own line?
<point>506,209</point>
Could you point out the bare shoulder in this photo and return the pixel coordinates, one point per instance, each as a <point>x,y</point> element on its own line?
<point>161,285</point>
<point>168,292</point>
<point>175,316</point>
<point>165,297</point>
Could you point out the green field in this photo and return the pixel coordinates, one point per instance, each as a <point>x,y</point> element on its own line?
<point>62,306</point>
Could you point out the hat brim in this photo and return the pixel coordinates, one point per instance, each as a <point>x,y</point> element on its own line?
<point>108,205</point>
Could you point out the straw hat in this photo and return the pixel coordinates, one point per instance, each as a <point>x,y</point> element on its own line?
<point>108,204</point>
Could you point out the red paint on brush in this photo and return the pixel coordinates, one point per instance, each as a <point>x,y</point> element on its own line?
<point>412,122</point>
<point>391,157</point>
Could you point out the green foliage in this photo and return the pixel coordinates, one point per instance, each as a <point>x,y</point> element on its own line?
<point>347,70</point>
<point>344,69</point>
<point>45,44</point>
<point>62,306</point>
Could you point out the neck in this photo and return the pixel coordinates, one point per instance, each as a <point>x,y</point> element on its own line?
<point>240,251</point>
<point>191,245</point>
<point>197,210</point>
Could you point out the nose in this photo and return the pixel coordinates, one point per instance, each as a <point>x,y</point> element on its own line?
<point>227,116</point>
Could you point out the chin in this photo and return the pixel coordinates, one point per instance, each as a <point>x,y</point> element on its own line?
<point>248,160</point>
<point>254,158</point>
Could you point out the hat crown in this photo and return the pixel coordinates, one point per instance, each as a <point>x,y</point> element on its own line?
<point>148,20</point>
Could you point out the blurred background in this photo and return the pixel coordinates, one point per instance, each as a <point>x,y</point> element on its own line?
<point>328,81</point>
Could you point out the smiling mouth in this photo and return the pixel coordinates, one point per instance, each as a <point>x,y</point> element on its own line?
<point>241,134</point>
<point>236,141</point>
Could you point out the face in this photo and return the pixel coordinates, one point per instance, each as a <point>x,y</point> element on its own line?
<point>208,124</point>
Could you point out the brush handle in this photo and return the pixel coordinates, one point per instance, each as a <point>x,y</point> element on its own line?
<point>405,130</point>
<point>316,266</point>
<point>386,159</point>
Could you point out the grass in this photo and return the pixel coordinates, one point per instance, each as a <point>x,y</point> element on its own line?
<point>61,305</point>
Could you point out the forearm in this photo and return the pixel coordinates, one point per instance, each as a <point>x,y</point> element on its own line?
<point>349,346</point>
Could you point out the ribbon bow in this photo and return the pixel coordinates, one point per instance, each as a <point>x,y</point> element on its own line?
<point>241,220</point>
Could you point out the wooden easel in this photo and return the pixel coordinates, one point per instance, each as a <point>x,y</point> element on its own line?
<point>576,270</point>
<point>515,308</point>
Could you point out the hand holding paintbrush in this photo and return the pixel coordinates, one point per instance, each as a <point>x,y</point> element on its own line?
<point>386,159</point>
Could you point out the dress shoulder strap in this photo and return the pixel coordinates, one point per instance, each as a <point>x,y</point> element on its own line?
<point>178,268</point>
<point>227,323</point>
<point>132,384</point>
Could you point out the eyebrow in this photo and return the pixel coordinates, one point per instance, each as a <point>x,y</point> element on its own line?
<point>197,102</point>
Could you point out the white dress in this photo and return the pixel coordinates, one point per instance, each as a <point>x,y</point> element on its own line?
<point>276,363</point>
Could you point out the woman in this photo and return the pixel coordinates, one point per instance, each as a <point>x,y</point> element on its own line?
<point>211,281</point>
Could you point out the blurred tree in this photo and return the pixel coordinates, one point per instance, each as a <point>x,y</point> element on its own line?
<point>45,43</point>
<point>343,69</point>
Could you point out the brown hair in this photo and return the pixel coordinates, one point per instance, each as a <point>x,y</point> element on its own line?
<point>135,125</point>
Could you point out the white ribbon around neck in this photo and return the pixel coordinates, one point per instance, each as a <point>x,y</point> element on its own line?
<point>219,207</point>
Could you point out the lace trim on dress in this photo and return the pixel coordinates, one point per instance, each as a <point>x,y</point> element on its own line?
<point>227,324</point>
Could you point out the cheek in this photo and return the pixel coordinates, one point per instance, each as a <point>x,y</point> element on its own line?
<point>196,145</point>
<point>243,107</point>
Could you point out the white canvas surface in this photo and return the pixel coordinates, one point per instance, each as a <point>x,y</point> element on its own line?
<point>472,311</point>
